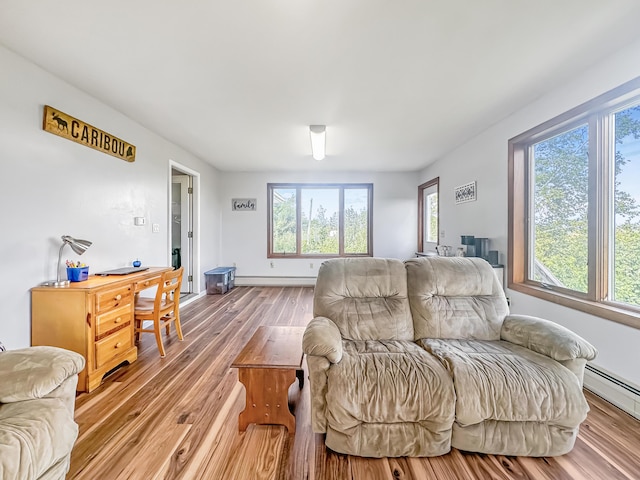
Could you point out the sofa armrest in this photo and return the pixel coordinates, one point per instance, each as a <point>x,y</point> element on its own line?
<point>35,372</point>
<point>322,338</point>
<point>546,337</point>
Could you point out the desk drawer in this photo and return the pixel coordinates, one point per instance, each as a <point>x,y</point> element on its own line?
<point>113,319</point>
<point>147,283</point>
<point>117,297</point>
<point>109,348</point>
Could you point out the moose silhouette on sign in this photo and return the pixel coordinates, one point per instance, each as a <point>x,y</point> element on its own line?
<point>62,124</point>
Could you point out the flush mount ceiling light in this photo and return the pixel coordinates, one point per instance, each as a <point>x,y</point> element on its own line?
<point>318,135</point>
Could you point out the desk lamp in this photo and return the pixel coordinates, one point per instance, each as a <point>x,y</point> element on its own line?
<point>78,246</point>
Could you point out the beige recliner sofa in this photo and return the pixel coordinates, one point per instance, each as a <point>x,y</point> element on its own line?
<point>37,401</point>
<point>413,358</point>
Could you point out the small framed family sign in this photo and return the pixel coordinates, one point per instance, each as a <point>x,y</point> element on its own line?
<point>243,204</point>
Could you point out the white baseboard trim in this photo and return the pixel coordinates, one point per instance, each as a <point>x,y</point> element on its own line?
<point>192,298</point>
<point>275,281</point>
<point>613,389</point>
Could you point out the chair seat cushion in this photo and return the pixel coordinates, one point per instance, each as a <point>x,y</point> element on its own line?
<point>501,381</point>
<point>390,381</point>
<point>147,305</point>
<point>34,435</point>
<point>144,304</point>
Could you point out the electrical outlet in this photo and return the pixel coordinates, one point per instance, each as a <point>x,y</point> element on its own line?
<point>155,228</point>
<point>441,233</point>
<point>234,264</point>
<point>311,265</point>
<point>272,264</point>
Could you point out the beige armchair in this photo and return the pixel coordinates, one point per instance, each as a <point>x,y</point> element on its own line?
<point>37,401</point>
<point>413,359</point>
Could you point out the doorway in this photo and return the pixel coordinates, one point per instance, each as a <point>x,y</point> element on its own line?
<point>181,225</point>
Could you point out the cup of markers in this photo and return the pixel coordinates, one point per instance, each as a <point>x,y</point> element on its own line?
<point>77,272</point>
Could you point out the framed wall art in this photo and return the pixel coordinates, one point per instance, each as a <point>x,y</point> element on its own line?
<point>466,193</point>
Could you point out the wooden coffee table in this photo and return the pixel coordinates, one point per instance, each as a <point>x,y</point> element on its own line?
<point>267,366</point>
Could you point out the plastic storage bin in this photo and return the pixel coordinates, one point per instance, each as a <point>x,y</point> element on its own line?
<point>79,274</point>
<point>220,280</point>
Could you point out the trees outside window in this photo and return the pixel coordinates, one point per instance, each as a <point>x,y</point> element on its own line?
<point>574,207</point>
<point>625,223</point>
<point>319,220</point>
<point>560,238</point>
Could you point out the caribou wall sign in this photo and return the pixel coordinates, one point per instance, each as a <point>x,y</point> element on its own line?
<point>66,126</point>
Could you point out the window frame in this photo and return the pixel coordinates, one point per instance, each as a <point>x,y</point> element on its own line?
<point>421,213</point>
<point>299,187</point>
<point>596,113</point>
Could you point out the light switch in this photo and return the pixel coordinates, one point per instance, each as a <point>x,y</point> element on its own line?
<point>139,221</point>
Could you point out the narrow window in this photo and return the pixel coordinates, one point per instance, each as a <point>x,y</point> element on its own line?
<point>428,212</point>
<point>559,230</point>
<point>625,255</point>
<point>283,216</point>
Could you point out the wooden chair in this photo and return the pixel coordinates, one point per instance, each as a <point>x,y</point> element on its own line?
<point>162,310</point>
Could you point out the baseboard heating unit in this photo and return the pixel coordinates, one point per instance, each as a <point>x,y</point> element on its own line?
<point>265,281</point>
<point>620,392</point>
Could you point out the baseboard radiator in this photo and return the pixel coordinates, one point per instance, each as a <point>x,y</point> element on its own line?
<point>265,281</point>
<point>620,392</point>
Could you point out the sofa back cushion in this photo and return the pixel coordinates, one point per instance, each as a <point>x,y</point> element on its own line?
<point>455,297</point>
<point>365,297</point>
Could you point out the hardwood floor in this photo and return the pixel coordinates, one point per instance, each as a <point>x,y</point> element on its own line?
<point>177,417</point>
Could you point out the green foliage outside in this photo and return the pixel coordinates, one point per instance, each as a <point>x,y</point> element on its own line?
<point>627,282</point>
<point>561,201</point>
<point>355,230</point>
<point>320,234</point>
<point>561,209</point>
<point>284,225</point>
<point>433,218</point>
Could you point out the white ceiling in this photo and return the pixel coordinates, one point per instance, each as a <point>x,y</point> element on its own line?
<point>398,83</point>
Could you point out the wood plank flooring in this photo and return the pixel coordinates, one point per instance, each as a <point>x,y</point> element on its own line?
<point>177,417</point>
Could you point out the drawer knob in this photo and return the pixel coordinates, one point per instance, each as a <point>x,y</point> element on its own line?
<point>118,297</point>
<point>118,320</point>
<point>118,345</point>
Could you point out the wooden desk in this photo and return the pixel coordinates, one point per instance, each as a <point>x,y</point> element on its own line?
<point>93,318</point>
<point>267,366</point>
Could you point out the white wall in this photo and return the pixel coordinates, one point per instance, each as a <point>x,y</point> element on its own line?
<point>484,159</point>
<point>50,186</point>
<point>244,236</point>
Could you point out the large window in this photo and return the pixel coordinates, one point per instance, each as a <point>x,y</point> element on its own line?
<point>319,220</point>
<point>574,207</point>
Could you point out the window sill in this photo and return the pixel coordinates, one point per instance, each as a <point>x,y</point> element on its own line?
<point>614,313</point>
<point>313,255</point>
